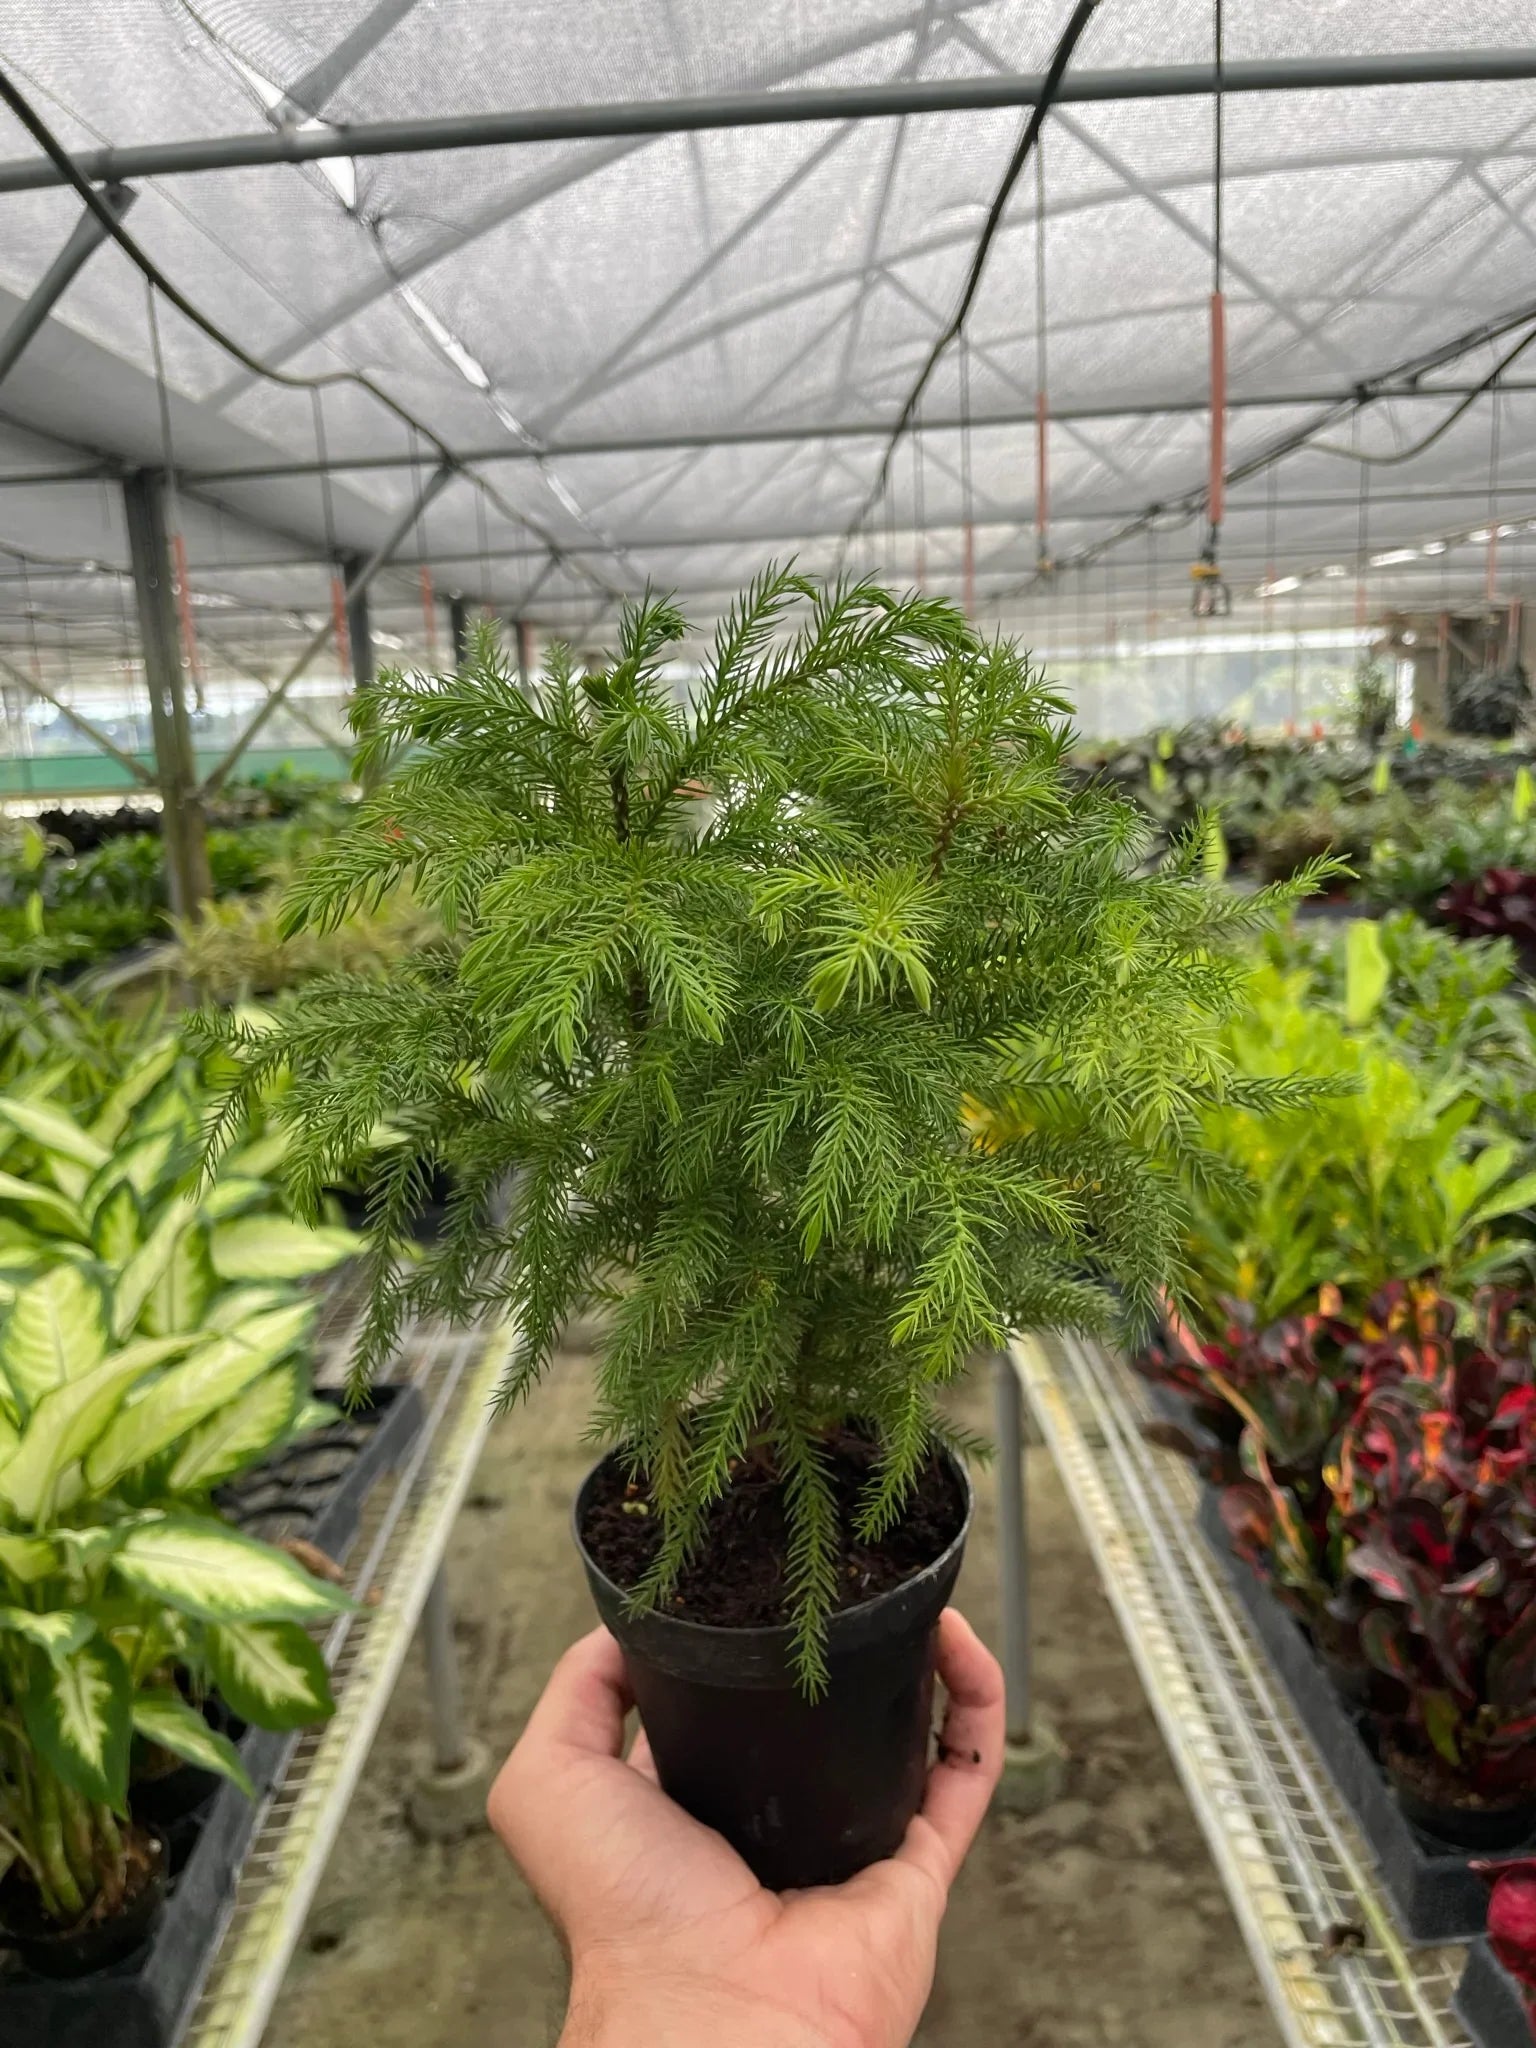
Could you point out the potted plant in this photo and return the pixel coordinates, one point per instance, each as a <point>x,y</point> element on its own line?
<point>823,1030</point>
<point>124,1597</point>
<point>152,1344</point>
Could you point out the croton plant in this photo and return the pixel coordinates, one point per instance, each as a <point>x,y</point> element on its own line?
<point>1384,1483</point>
<point>152,1343</point>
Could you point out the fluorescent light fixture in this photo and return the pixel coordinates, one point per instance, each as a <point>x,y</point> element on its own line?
<point>1505,531</point>
<point>1280,586</point>
<point>1482,534</point>
<point>1435,547</point>
<point>1335,569</point>
<point>1394,555</point>
<point>386,639</point>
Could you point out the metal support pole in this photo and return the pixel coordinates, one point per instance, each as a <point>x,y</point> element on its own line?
<point>458,629</point>
<point>1012,1545</point>
<point>525,650</point>
<point>88,234</point>
<point>359,622</point>
<point>186,848</point>
<point>774,106</point>
<point>450,1741</point>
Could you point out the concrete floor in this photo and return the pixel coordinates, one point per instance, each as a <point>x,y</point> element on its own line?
<point>1099,1923</point>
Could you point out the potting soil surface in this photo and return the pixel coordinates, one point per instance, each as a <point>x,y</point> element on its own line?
<point>1098,1923</point>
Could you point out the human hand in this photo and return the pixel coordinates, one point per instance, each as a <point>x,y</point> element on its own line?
<point>671,1938</point>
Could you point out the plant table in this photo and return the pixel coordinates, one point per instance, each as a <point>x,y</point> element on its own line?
<point>395,1564</point>
<point>1297,1872</point>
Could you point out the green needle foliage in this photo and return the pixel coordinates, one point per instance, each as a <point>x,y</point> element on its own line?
<point>820,1026</point>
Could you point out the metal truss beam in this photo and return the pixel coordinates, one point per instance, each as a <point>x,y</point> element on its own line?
<point>86,237</point>
<point>832,430</point>
<point>357,585</point>
<point>80,722</point>
<point>775,108</point>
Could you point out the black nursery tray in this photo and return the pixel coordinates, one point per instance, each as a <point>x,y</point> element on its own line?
<point>1437,1894</point>
<point>1489,2004</point>
<point>315,1490</point>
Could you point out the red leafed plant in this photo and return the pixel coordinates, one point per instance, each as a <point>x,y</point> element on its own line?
<point>1512,1922</point>
<point>1435,1490</point>
<point>1499,904</point>
<point>1384,1485</point>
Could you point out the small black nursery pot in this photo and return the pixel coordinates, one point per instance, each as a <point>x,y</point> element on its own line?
<point>806,1792</point>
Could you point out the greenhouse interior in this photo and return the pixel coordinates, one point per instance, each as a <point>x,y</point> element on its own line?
<point>767,1024</point>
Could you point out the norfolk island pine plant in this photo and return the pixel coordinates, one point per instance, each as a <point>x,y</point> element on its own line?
<point>739,995</point>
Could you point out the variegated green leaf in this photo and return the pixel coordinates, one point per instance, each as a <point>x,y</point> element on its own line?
<point>201,1567</point>
<point>167,1719</point>
<point>52,1210</point>
<point>229,1309</point>
<point>78,1713</point>
<point>270,1672</point>
<point>117,1228</point>
<point>276,1248</point>
<point>179,1298</point>
<point>64,1424</point>
<point>261,1157</point>
<point>53,1131</point>
<point>144,1075</point>
<point>55,1330</point>
<point>233,1195</point>
<point>312,1416</point>
<point>57,1635</point>
<point>240,1433</point>
<point>189,1393</point>
<point>145,1269</point>
<point>27,1559</point>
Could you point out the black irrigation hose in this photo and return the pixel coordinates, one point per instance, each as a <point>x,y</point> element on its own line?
<point>52,148</point>
<point>1434,434</point>
<point>1071,36</point>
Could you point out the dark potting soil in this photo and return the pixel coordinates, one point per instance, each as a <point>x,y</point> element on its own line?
<point>737,1577</point>
<point>1429,1780</point>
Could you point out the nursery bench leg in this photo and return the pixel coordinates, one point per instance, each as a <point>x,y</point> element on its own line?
<point>449,1800</point>
<point>1034,1762</point>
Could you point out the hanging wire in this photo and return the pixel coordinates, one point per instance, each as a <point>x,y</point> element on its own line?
<point>967,501</point>
<point>483,542</point>
<point>1362,551</point>
<point>341,632</point>
<point>1061,57</point>
<point>1042,405</point>
<point>1211,597</point>
<point>180,578</point>
<point>919,507</point>
<point>1491,576</point>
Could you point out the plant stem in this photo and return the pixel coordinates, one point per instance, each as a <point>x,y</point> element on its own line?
<point>62,1897</point>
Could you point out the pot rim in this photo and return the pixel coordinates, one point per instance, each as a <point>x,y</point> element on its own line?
<point>779,1635</point>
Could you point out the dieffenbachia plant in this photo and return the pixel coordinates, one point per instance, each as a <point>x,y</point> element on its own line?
<point>152,1344</point>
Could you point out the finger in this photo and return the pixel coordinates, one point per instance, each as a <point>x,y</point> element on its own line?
<point>585,1702</point>
<point>970,1759</point>
<point>580,1715</point>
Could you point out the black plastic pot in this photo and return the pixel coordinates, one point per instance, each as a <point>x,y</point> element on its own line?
<point>1464,1827</point>
<point>806,1793</point>
<point>1491,2004</point>
<point>65,1952</point>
